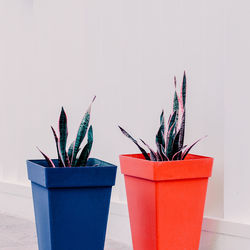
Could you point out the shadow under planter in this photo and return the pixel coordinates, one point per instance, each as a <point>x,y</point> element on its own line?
<point>71,204</point>
<point>166,201</point>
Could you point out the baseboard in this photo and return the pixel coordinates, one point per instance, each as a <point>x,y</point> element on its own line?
<point>217,233</point>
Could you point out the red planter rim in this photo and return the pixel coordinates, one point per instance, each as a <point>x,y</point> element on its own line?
<point>194,166</point>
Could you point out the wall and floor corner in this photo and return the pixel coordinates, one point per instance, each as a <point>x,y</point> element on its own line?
<point>55,53</point>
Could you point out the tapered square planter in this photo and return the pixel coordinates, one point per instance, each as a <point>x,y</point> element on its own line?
<point>71,204</point>
<point>166,201</point>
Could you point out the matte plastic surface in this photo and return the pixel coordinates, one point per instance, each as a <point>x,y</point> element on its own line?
<point>166,201</point>
<point>71,215</point>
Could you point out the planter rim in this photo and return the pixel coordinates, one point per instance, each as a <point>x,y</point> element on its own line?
<point>103,174</point>
<point>194,166</point>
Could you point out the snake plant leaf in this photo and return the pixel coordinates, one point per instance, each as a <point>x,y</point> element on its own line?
<point>160,144</point>
<point>160,134</point>
<point>176,146</point>
<point>172,120</point>
<point>182,130</point>
<point>169,119</point>
<point>189,148</point>
<point>67,161</point>
<point>162,120</point>
<point>170,140</point>
<point>83,158</point>
<point>163,153</point>
<point>153,155</point>
<point>176,107</point>
<point>177,155</point>
<point>135,142</point>
<point>183,89</point>
<point>70,151</point>
<point>181,108</point>
<point>175,102</point>
<point>81,132</point>
<point>63,135</point>
<point>60,159</point>
<point>159,155</point>
<point>50,162</point>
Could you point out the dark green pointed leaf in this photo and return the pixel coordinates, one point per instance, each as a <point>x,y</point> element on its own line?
<point>176,146</point>
<point>81,133</point>
<point>49,161</point>
<point>164,155</point>
<point>135,142</point>
<point>170,140</point>
<point>177,155</point>
<point>160,134</point>
<point>182,130</point>
<point>183,90</point>
<point>153,155</point>
<point>70,151</point>
<point>60,159</point>
<point>159,155</point>
<point>63,134</point>
<point>175,103</point>
<point>172,120</point>
<point>67,161</point>
<point>162,120</point>
<point>185,153</point>
<point>83,158</point>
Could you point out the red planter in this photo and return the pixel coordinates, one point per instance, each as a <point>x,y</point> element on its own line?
<point>166,201</point>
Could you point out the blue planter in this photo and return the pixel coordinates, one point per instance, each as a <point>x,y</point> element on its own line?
<point>71,204</point>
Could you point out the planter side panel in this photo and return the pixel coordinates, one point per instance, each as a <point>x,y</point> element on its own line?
<point>142,212</point>
<point>71,218</point>
<point>79,217</point>
<point>180,207</point>
<point>41,208</point>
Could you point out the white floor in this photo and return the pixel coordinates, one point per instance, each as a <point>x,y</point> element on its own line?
<point>19,234</point>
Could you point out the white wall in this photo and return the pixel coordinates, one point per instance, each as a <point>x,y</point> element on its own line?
<point>62,52</point>
<point>237,121</point>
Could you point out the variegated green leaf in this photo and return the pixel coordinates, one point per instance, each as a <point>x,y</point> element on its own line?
<point>159,155</point>
<point>175,102</point>
<point>60,159</point>
<point>135,142</point>
<point>81,133</point>
<point>185,153</point>
<point>49,161</point>
<point>70,151</point>
<point>161,132</point>
<point>63,134</point>
<point>83,158</point>
<point>153,155</point>
<point>177,155</point>
<point>164,154</point>
<point>182,130</point>
<point>170,132</point>
<point>183,89</point>
<point>172,120</point>
<point>176,145</point>
<point>170,140</point>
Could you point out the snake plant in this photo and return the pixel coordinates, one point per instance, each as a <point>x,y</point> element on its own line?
<point>74,156</point>
<point>170,137</point>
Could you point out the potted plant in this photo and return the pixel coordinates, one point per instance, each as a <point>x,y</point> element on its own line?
<point>71,195</point>
<point>166,188</point>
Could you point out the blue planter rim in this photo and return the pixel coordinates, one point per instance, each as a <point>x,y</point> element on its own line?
<point>97,173</point>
